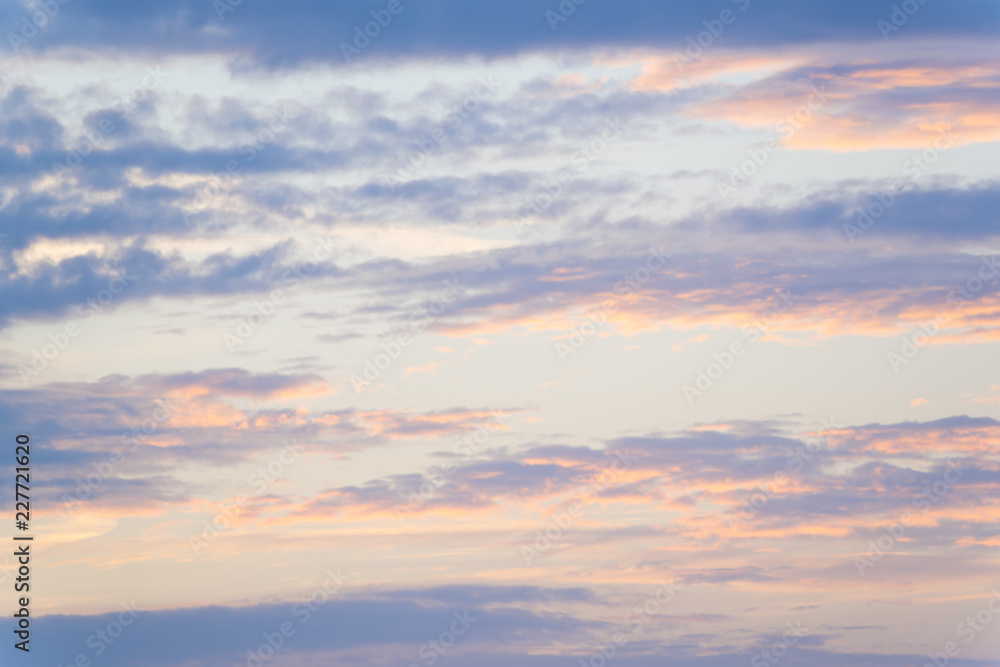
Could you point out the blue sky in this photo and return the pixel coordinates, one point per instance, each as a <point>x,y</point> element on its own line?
<point>536,313</point>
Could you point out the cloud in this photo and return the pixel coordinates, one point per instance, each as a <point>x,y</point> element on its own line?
<point>337,624</point>
<point>400,622</point>
<point>848,106</point>
<point>263,35</point>
<point>844,487</point>
<point>120,444</point>
<point>430,367</point>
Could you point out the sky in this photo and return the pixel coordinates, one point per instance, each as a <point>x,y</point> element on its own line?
<point>547,333</point>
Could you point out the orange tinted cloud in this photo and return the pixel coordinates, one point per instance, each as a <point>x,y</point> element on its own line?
<point>664,73</point>
<point>864,106</point>
<point>426,368</point>
<point>438,423</point>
